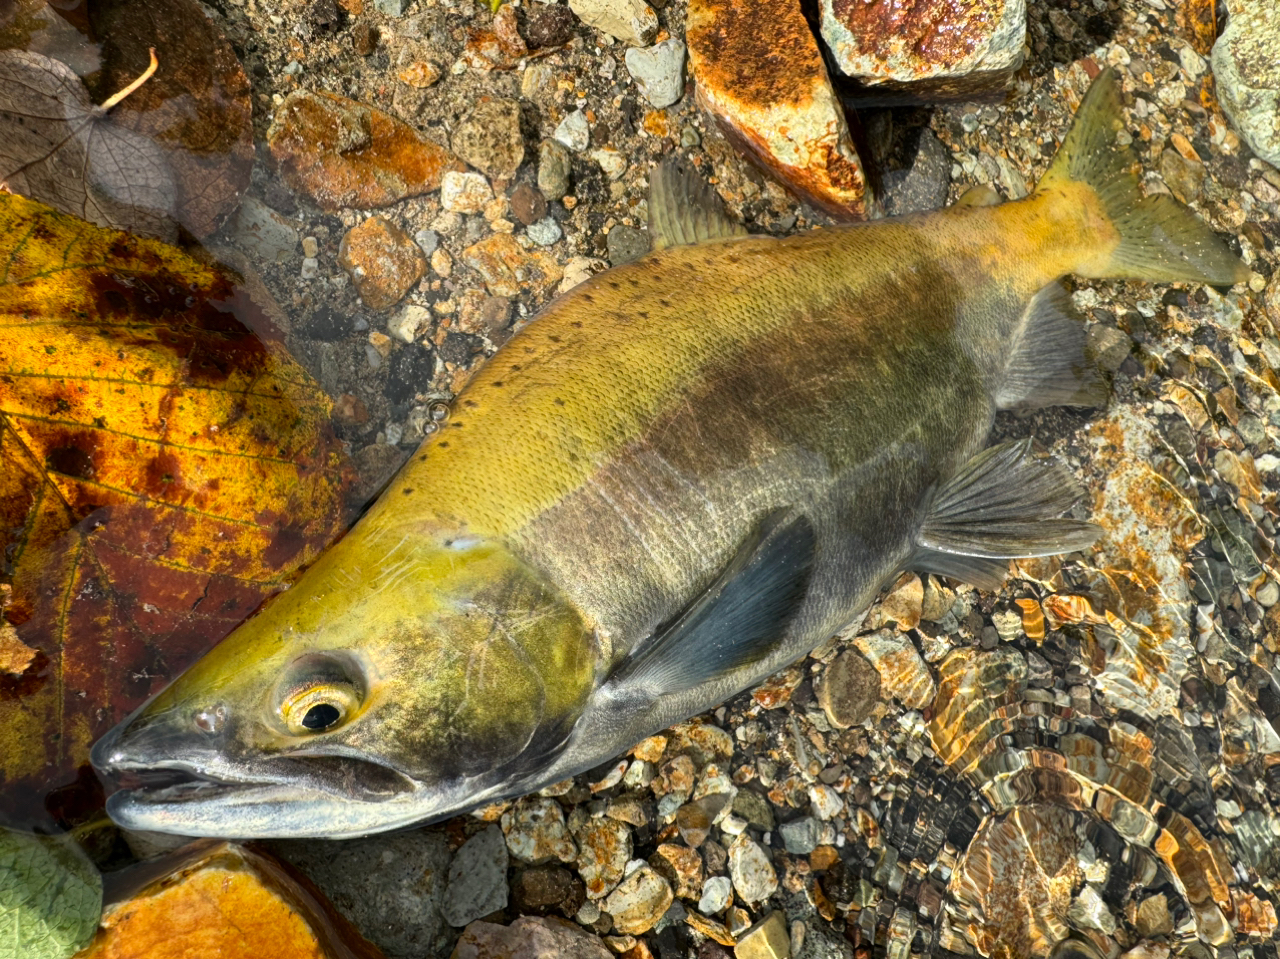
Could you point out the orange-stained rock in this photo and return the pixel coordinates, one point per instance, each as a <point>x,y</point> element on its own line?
<point>761,74</point>
<point>930,48</point>
<point>342,153</point>
<point>220,899</point>
<point>383,261</point>
<point>507,268</point>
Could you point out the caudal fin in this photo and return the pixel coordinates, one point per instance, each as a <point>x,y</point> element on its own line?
<point>1160,239</point>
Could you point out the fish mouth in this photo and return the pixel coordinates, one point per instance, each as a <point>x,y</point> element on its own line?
<point>174,783</point>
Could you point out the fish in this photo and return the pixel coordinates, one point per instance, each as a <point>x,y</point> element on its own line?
<point>683,475</point>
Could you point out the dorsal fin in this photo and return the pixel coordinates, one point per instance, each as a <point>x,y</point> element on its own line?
<point>738,620</point>
<point>684,209</point>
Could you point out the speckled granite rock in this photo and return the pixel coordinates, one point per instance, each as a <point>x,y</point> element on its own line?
<point>934,48</point>
<point>761,74</point>
<point>1246,65</point>
<point>529,937</point>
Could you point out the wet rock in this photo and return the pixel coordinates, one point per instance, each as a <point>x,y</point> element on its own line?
<point>1108,347</point>
<point>477,883</point>
<point>921,185</point>
<point>536,832</point>
<point>1088,911</point>
<point>409,372</point>
<point>464,192</point>
<point>542,889</point>
<point>529,937</point>
<point>639,901</point>
<point>264,233</point>
<point>604,849</point>
<point>528,204</point>
<point>848,689</point>
<point>904,603</point>
<point>903,674</point>
<point>754,808</point>
<point>580,269</point>
<point>553,169</point>
<point>383,262</point>
<point>545,232</point>
<point>215,898</point>
<point>658,71</point>
<point>548,25</point>
<point>787,116</point>
<point>341,153</point>
<point>408,321</point>
<point>489,138</point>
<point>770,938</point>
<point>482,315</point>
<point>800,837</point>
<point>1246,69</point>
<point>573,132</point>
<point>754,879</point>
<point>1152,918</point>
<point>1183,177</point>
<point>716,893</point>
<point>626,243</point>
<point>507,268</point>
<point>631,21</point>
<point>408,869</point>
<point>930,48</point>
<point>680,866</point>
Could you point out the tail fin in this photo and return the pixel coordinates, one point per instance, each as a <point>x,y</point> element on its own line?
<point>1160,239</point>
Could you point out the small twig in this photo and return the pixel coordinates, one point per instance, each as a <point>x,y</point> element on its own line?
<point>146,75</point>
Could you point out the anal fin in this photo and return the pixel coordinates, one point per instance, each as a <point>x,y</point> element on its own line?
<point>1005,504</point>
<point>738,620</point>
<point>976,570</point>
<point>1047,364</point>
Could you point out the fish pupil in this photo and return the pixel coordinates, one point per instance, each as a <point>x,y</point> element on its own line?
<point>321,716</point>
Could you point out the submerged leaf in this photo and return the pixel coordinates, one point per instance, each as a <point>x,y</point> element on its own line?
<point>58,147</point>
<point>50,897</point>
<point>162,471</point>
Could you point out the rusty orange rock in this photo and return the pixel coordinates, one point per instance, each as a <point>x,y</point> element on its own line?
<point>507,268</point>
<point>761,74</point>
<point>341,153</point>
<point>220,899</point>
<point>383,261</point>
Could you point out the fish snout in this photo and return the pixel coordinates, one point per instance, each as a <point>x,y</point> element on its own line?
<point>146,738</point>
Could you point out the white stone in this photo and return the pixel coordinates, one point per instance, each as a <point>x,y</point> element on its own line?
<point>1246,69</point>
<point>545,231</point>
<point>631,21</point>
<point>464,192</point>
<point>715,895</point>
<point>658,71</point>
<point>753,875</point>
<point>405,323</point>
<point>573,132</point>
<point>611,161</point>
<point>265,233</point>
<point>578,269</point>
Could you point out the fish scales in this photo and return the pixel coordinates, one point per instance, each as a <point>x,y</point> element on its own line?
<point>689,471</point>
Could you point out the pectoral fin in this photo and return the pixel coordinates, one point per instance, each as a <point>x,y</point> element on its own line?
<point>1003,504</point>
<point>737,621</point>
<point>684,209</point>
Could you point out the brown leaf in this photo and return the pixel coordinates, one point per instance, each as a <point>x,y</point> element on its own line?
<point>196,107</point>
<point>162,471</point>
<point>58,147</point>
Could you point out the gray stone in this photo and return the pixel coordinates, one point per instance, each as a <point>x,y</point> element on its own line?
<point>848,689</point>
<point>553,169</point>
<point>1246,68</point>
<point>715,895</point>
<point>658,71</point>
<point>631,21</point>
<point>573,132</point>
<point>263,232</point>
<point>490,139</point>
<point>529,937</point>
<point>754,808</point>
<point>1108,347</point>
<point>545,232</point>
<point>800,836</point>
<point>625,244</point>
<point>407,869</point>
<point>392,8</point>
<point>923,184</point>
<point>477,884</point>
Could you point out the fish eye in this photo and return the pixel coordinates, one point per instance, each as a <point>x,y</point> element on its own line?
<point>318,694</point>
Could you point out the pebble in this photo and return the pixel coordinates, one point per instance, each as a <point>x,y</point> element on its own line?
<point>464,192</point>
<point>680,866</point>
<point>1152,917</point>
<point>639,901</point>
<point>658,71</point>
<point>754,808</point>
<point>540,889</point>
<point>825,802</point>
<point>553,169</point>
<point>770,938</point>
<point>631,21</point>
<point>442,263</point>
<point>407,321</point>
<point>580,269</point>
<point>477,884</point>
<point>409,372</point>
<point>1008,624</point>
<point>490,139</point>
<point>848,689</point>
<point>407,869</point>
<point>716,892</point>
<point>310,269</point>
<point>923,184</point>
<point>613,163</point>
<point>903,674</point>
<point>800,837</point>
<point>507,268</point>
<point>789,114</point>
<point>548,25</point>
<point>383,262</point>
<point>574,133</point>
<point>604,849</point>
<point>528,204</point>
<point>625,244</point>
<point>1268,594</point>
<point>1183,177</point>
<point>1090,912</point>
<point>341,153</point>
<point>753,875</point>
<point>391,8</point>
<point>536,832</point>
<point>529,937</point>
<point>1246,72</point>
<point>545,232</point>
<point>1109,348</point>
<point>266,234</point>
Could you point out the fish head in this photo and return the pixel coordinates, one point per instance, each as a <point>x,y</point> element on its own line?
<point>354,705</point>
